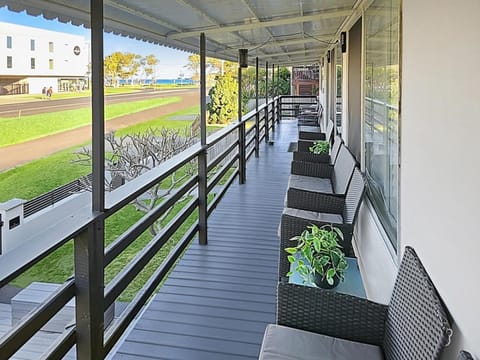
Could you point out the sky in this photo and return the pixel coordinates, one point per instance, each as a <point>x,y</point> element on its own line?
<point>171,64</point>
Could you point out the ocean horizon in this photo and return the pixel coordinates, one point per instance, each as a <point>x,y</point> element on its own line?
<point>158,81</point>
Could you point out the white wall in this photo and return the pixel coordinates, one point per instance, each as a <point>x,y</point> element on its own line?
<point>66,62</point>
<point>440,175</point>
<point>377,265</point>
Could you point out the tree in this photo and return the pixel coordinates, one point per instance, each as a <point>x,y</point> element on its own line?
<point>223,106</point>
<point>120,65</point>
<point>132,155</point>
<point>149,63</point>
<point>194,66</point>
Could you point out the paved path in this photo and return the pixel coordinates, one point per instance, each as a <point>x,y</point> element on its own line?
<point>18,154</point>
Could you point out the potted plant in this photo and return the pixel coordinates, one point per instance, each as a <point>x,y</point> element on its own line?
<point>318,256</point>
<point>320,147</point>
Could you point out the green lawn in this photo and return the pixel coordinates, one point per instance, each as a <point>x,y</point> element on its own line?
<point>40,176</point>
<point>17,130</point>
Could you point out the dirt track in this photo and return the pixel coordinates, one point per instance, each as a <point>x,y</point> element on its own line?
<point>18,154</point>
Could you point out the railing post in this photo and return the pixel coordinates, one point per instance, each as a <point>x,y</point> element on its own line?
<point>88,260</point>
<point>273,97</point>
<point>267,134</point>
<point>278,94</point>
<point>89,246</point>
<point>279,108</point>
<point>242,163</point>
<point>202,156</point>
<point>257,115</point>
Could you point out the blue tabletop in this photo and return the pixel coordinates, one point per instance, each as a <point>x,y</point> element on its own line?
<point>352,284</point>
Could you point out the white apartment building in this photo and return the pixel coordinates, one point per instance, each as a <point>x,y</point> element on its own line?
<point>32,58</point>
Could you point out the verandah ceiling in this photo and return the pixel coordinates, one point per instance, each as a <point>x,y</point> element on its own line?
<point>283,32</point>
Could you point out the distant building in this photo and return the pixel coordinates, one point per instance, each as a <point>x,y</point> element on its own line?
<point>31,59</point>
<point>305,80</point>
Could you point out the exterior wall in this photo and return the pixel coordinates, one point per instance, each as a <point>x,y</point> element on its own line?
<point>440,196</point>
<point>377,264</point>
<point>66,63</point>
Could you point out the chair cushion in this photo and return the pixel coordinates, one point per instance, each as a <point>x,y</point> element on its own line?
<point>310,183</point>
<point>312,129</point>
<point>313,216</point>
<point>284,343</point>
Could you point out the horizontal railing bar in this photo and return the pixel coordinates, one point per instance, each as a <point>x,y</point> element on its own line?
<point>222,133</point>
<point>128,192</point>
<point>249,142</point>
<point>248,132</point>
<point>222,192</point>
<point>125,239</point>
<point>222,155</point>
<point>47,241</point>
<point>250,152</point>
<point>217,177</point>
<point>61,346</point>
<point>133,308</point>
<point>133,268</point>
<point>28,326</point>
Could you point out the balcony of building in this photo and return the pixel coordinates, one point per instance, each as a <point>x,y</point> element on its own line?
<point>215,292</point>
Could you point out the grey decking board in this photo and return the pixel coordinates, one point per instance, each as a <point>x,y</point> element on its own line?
<point>207,321</point>
<point>224,313</point>
<point>221,296</point>
<point>174,327</point>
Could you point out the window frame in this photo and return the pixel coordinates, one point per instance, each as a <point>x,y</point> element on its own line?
<point>9,62</point>
<point>381,202</point>
<point>9,42</point>
<point>32,63</point>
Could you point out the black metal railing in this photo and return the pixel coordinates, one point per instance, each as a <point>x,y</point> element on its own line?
<point>224,165</point>
<point>290,105</point>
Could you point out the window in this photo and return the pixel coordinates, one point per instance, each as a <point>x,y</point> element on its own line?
<point>32,63</point>
<point>9,42</point>
<point>50,64</point>
<point>32,45</point>
<point>9,62</point>
<point>50,47</point>
<point>381,110</point>
<point>338,80</point>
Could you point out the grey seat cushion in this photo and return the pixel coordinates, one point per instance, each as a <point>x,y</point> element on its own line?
<point>314,216</point>
<point>284,343</point>
<point>310,183</point>
<point>312,129</point>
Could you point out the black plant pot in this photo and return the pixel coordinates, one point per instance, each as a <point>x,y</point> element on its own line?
<point>321,282</point>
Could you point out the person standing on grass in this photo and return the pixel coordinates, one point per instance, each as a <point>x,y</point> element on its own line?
<point>49,92</point>
<point>44,92</point>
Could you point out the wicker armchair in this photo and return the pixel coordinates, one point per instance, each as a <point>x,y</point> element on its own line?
<point>342,213</point>
<point>312,186</point>
<point>309,132</point>
<point>323,324</point>
<point>310,115</point>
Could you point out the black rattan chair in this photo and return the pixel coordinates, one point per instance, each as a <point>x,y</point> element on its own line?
<point>324,324</point>
<point>340,212</point>
<point>310,183</point>
<point>310,115</point>
<point>306,132</point>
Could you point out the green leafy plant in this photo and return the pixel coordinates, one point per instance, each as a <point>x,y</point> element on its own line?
<point>320,147</point>
<point>321,257</point>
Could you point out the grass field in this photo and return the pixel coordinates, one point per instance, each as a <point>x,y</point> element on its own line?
<point>40,176</point>
<point>17,130</point>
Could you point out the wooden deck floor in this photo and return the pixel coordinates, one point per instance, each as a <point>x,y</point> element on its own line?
<point>216,303</point>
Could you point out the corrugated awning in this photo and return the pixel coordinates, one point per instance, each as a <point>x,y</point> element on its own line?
<point>283,32</point>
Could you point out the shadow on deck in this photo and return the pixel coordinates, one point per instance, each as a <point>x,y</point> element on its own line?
<point>217,301</point>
